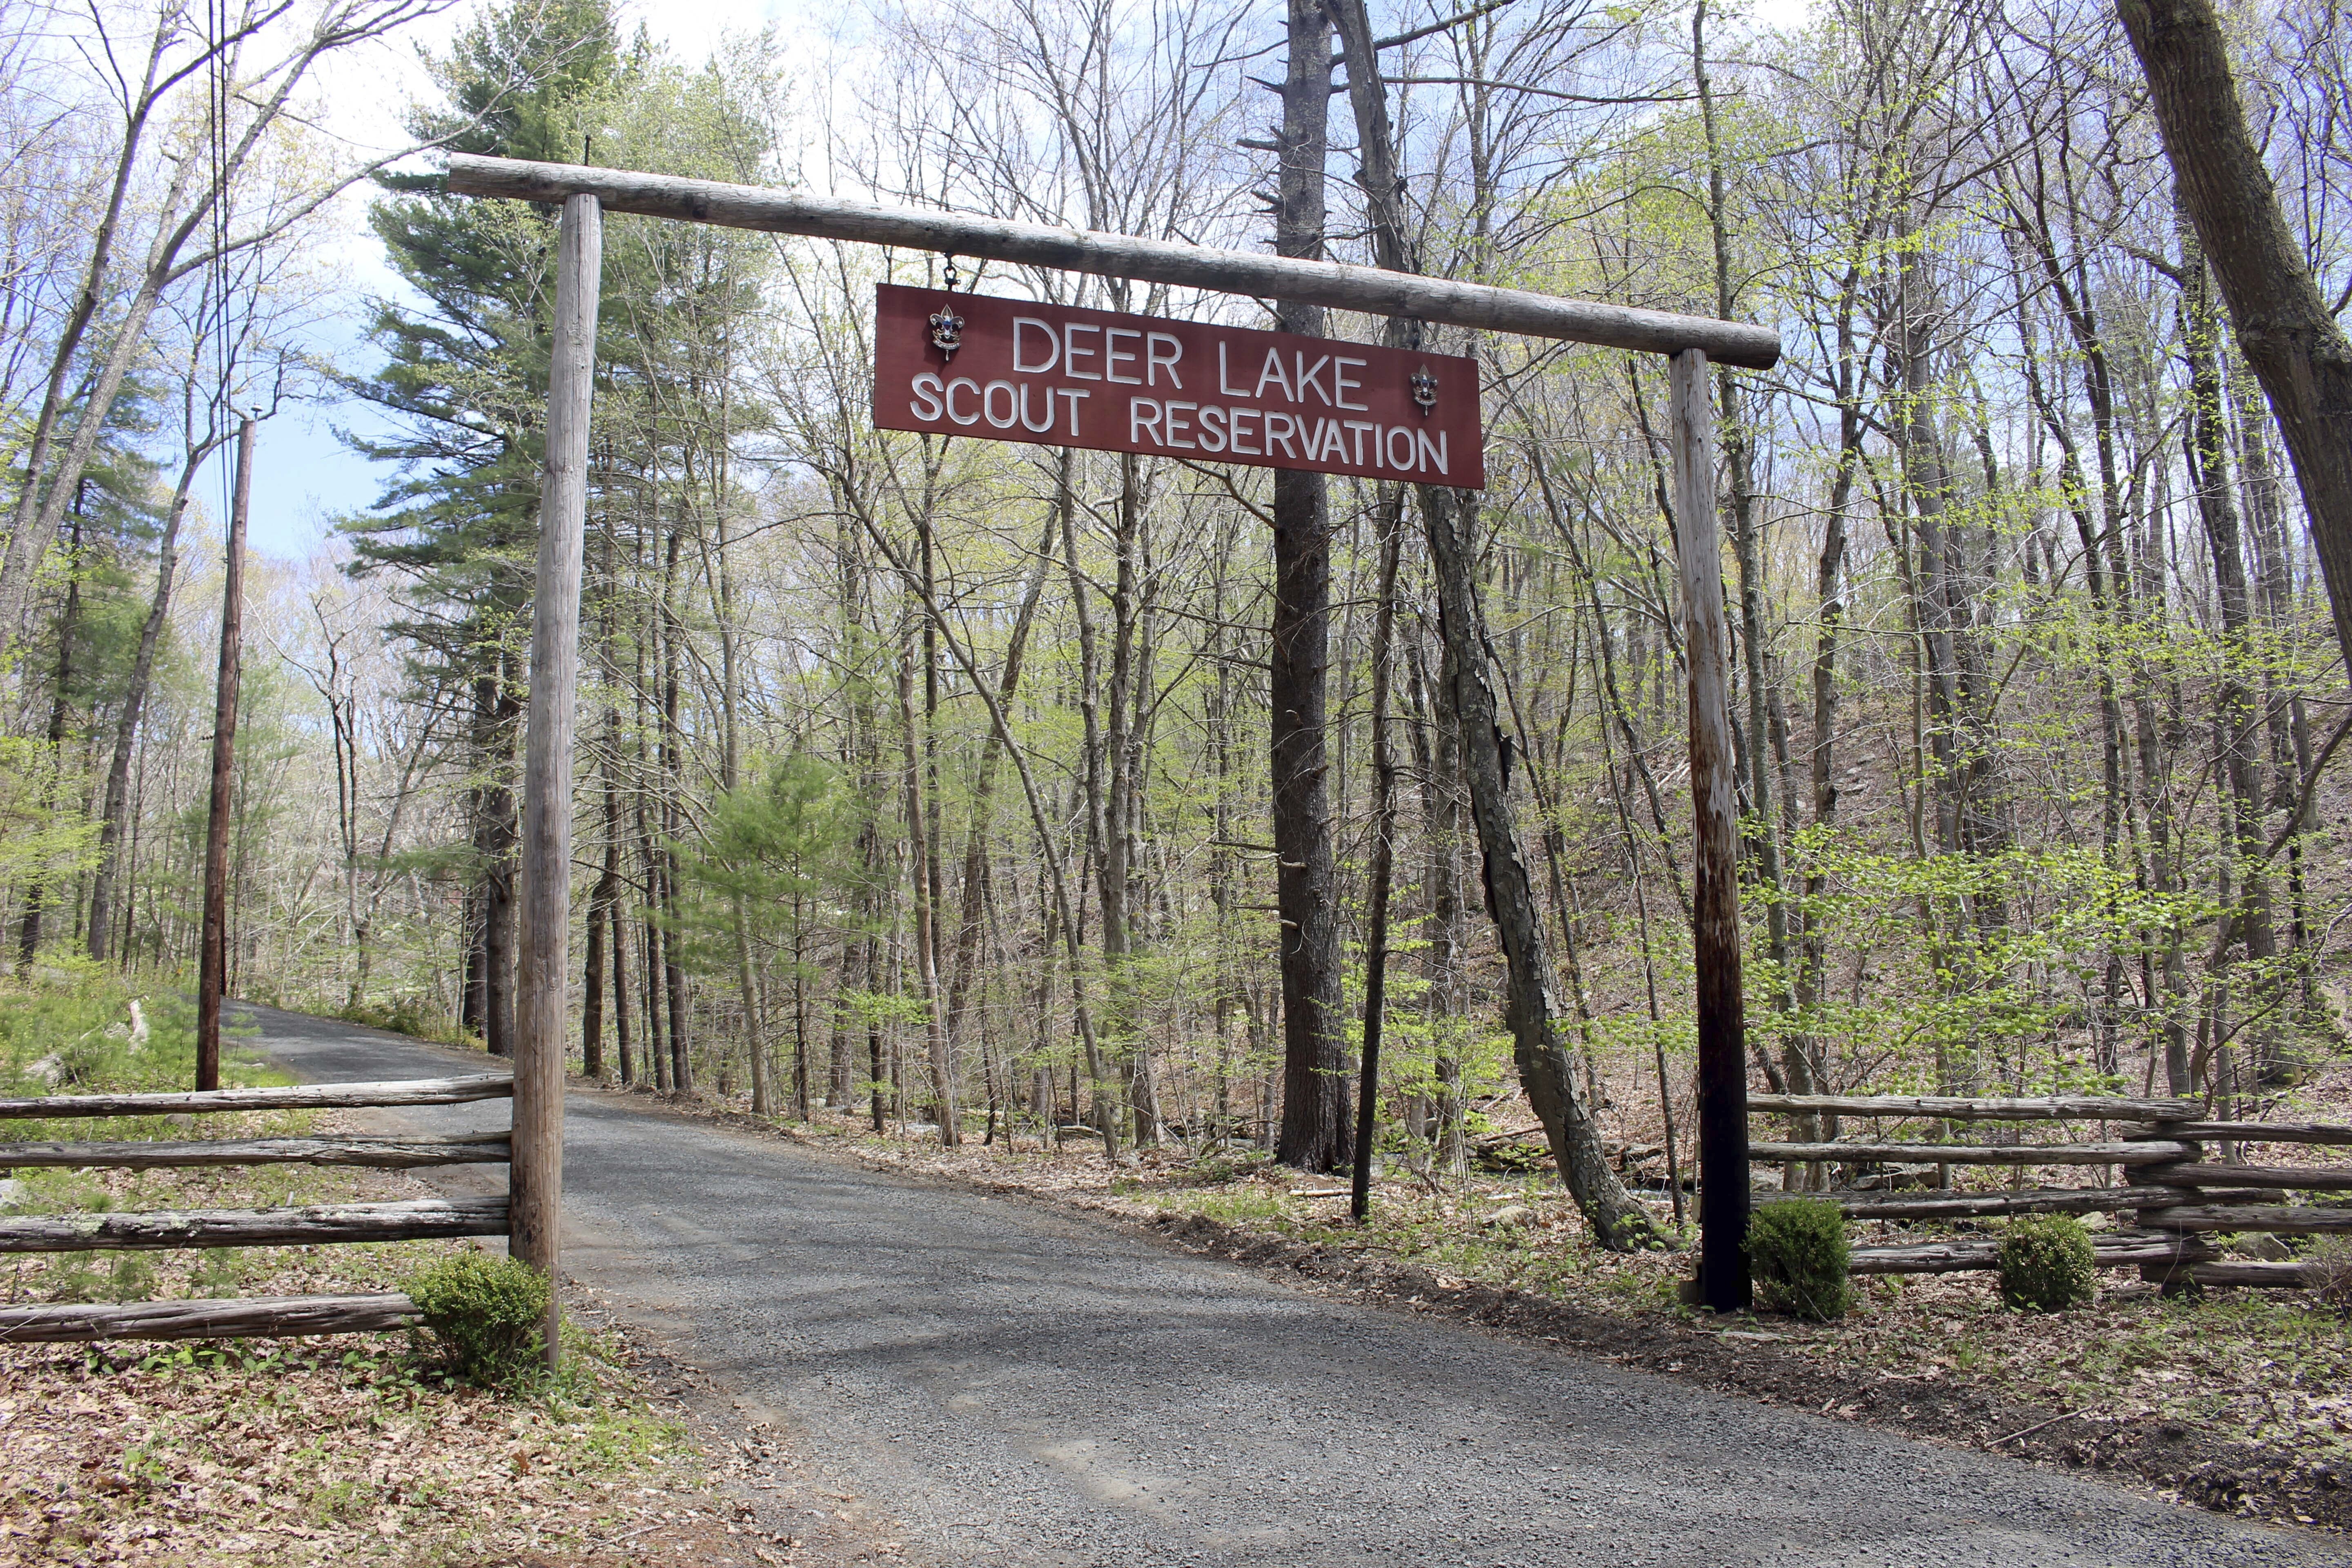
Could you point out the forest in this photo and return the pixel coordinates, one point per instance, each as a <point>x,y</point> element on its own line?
<point>981,792</point>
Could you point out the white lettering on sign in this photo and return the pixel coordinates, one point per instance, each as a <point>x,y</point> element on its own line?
<point>1152,344</point>
<point>1029,328</point>
<point>1113,353</point>
<point>1341,383</point>
<point>1036,373</point>
<point>1234,429</point>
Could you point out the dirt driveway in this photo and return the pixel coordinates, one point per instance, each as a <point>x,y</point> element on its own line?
<point>1025,1388</point>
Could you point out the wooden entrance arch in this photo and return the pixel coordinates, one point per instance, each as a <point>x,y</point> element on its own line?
<point>1688,341</point>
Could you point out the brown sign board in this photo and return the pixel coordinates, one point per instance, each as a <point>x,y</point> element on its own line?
<point>1054,375</point>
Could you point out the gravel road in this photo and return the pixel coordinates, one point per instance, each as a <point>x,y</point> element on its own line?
<point>1030,1389</point>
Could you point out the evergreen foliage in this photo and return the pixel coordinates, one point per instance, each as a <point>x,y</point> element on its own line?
<point>487,1313</point>
<point>1798,1252</point>
<point>2047,1264</point>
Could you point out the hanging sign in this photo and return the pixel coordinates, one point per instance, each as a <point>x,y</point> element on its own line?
<point>1053,375</point>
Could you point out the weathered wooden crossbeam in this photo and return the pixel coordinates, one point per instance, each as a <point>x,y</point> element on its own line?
<point>376,1153</point>
<point>2258,1131</point>
<point>411,1220</point>
<point>2293,1178</point>
<point>1967,1108</point>
<point>2291,1219</point>
<point>2111,1153</point>
<point>289,1097</point>
<point>1964,1257</point>
<point>1336,285</point>
<point>2266,1276</point>
<point>1945,1204</point>
<point>252,1317</point>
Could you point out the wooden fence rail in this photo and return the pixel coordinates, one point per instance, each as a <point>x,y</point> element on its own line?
<point>2118,1153</point>
<point>2175,1201</point>
<point>2279,1219</point>
<point>1965,1108</point>
<point>2297,1178</point>
<point>1944,1204</point>
<point>1974,1253</point>
<point>373,1154</point>
<point>252,1317</point>
<point>2254,1132</point>
<point>413,1219</point>
<point>289,1097</point>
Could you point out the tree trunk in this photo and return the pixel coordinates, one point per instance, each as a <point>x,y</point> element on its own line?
<point>2284,326</point>
<point>212,973</point>
<point>1618,1219</point>
<point>1795,1066</point>
<point>621,1019</point>
<point>1316,1135</point>
<point>1384,816</point>
<point>983,791</point>
<point>135,703</point>
<point>591,988</point>
<point>943,1099</point>
<point>673,761</point>
<point>498,879</point>
<point>2238,719</point>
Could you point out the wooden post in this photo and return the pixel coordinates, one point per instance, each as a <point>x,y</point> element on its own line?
<point>1715,906</point>
<point>535,1181</point>
<point>212,958</point>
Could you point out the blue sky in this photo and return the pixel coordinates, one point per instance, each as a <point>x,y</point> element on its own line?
<point>304,475</point>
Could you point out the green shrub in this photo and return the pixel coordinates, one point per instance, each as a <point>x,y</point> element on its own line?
<point>1796,1253</point>
<point>2047,1264</point>
<point>486,1313</point>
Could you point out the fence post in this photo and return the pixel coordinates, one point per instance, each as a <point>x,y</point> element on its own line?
<point>1715,906</point>
<point>535,1181</point>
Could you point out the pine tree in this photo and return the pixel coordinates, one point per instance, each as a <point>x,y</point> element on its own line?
<point>467,381</point>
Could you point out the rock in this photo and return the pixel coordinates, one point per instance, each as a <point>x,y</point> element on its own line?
<point>12,1194</point>
<point>2263,1246</point>
<point>181,1120</point>
<point>1513,1215</point>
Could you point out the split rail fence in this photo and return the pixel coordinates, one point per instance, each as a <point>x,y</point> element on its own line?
<point>2172,1198</point>
<point>408,1220</point>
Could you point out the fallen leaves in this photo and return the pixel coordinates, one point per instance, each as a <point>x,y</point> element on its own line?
<point>336,1449</point>
<point>2242,1384</point>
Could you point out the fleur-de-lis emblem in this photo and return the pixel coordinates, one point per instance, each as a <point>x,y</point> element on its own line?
<point>947,331</point>
<point>1425,389</point>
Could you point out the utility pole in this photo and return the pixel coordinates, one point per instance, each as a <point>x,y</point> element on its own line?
<point>211,962</point>
<point>1723,1173</point>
